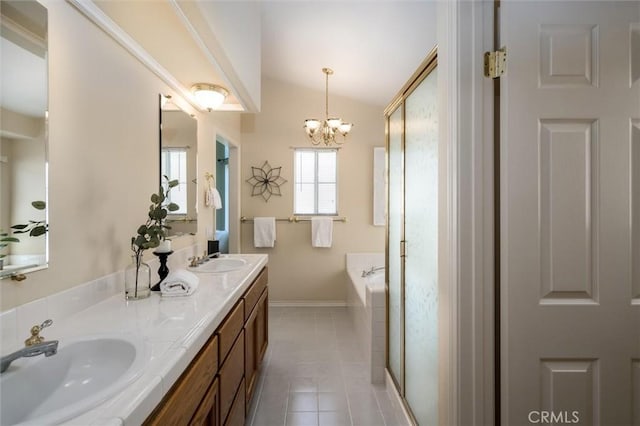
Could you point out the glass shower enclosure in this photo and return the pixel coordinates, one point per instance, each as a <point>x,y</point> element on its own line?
<point>412,243</point>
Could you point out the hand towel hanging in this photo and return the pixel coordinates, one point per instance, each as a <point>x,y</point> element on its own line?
<point>264,231</point>
<point>321,231</point>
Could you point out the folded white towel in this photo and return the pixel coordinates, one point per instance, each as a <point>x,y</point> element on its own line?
<point>264,231</point>
<point>321,231</point>
<point>179,283</point>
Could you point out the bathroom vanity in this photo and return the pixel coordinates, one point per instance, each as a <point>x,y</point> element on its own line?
<point>217,387</point>
<point>184,360</point>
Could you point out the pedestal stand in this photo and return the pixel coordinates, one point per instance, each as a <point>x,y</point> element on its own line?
<point>163,271</point>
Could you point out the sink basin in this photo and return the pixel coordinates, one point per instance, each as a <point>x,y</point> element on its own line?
<point>219,265</point>
<point>84,373</point>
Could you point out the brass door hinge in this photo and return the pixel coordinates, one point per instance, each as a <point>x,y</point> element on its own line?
<point>495,63</point>
<point>403,248</point>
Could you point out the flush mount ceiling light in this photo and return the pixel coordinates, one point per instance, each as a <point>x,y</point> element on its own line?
<point>330,130</point>
<point>209,96</point>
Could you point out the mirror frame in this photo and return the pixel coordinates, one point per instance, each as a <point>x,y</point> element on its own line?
<point>23,31</point>
<point>193,225</point>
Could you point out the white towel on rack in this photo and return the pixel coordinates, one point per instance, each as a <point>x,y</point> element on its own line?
<point>264,231</point>
<point>179,283</point>
<point>217,200</point>
<point>212,198</point>
<point>321,231</point>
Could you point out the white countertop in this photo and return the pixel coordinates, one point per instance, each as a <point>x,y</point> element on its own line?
<point>173,329</point>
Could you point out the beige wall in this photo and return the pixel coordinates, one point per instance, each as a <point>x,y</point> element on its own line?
<point>103,155</point>
<point>297,271</point>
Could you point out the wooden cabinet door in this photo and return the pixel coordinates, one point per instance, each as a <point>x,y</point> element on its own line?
<point>183,400</point>
<point>237,412</point>
<point>262,327</point>
<point>208,413</point>
<point>231,374</point>
<point>251,353</point>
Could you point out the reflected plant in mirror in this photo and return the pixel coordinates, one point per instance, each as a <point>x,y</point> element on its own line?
<point>23,136</point>
<point>178,160</point>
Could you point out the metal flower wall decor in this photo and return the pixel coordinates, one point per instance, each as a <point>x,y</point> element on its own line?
<point>266,181</point>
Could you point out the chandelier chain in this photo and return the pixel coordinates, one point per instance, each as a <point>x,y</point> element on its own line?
<point>326,96</point>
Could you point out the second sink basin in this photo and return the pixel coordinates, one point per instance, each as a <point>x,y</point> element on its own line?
<point>84,373</point>
<point>220,265</point>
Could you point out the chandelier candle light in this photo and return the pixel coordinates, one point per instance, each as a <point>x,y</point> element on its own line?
<point>330,130</point>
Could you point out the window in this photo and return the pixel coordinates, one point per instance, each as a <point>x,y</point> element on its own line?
<point>174,166</point>
<point>315,182</point>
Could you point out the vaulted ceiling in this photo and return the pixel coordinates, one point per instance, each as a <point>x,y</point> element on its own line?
<point>372,46</point>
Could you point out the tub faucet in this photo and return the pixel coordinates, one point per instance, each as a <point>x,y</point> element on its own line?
<point>373,269</point>
<point>46,348</point>
<point>34,346</point>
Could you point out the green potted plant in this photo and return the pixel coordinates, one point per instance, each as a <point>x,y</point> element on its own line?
<point>149,235</point>
<point>35,228</point>
<point>5,240</point>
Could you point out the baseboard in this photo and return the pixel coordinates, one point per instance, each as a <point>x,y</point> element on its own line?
<point>307,303</point>
<point>395,397</point>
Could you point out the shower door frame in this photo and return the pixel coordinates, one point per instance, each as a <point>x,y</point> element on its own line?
<point>466,126</point>
<point>429,64</point>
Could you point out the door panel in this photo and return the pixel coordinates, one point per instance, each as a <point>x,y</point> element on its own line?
<point>567,169</point>
<point>570,313</point>
<point>421,259</point>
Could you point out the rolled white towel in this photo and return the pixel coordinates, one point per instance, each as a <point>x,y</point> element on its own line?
<point>179,283</point>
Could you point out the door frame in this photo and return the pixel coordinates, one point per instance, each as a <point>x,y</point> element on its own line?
<point>467,271</point>
<point>233,184</point>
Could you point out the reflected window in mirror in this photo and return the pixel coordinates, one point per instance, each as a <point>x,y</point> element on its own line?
<point>23,136</point>
<point>178,161</point>
<point>174,166</point>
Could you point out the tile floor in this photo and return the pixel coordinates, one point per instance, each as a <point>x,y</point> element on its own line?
<point>314,374</point>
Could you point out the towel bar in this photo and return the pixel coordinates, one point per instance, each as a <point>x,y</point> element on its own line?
<point>294,219</point>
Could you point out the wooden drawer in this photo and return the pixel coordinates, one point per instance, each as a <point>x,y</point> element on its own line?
<point>230,329</point>
<point>230,375</point>
<point>181,402</point>
<point>254,292</point>
<point>236,414</point>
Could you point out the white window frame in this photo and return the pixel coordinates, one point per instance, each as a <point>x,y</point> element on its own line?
<point>166,163</point>
<point>315,180</point>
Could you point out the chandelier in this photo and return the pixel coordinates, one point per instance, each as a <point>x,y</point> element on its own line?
<point>330,130</point>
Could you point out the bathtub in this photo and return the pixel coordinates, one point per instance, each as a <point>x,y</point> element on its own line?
<point>366,305</point>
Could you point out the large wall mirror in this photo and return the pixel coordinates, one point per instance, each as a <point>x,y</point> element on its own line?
<point>23,137</point>
<point>178,160</point>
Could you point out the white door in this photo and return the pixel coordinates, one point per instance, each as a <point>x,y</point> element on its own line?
<point>570,213</point>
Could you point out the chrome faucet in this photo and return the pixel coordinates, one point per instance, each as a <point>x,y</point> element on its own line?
<point>372,270</point>
<point>46,348</point>
<point>34,346</point>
